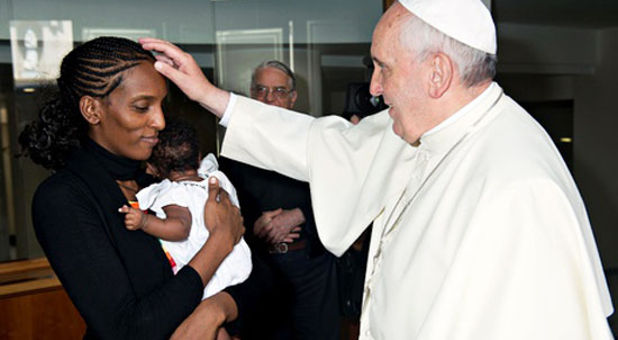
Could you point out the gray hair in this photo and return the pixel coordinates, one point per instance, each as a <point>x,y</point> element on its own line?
<point>475,66</point>
<point>279,66</point>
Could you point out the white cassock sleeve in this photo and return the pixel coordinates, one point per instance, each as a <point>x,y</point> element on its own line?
<point>268,137</point>
<point>330,153</point>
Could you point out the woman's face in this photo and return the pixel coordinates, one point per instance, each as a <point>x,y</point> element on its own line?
<point>131,115</point>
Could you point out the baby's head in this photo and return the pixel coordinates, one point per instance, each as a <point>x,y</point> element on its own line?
<point>177,150</point>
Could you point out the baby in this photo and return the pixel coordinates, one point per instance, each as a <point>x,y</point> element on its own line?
<point>178,202</point>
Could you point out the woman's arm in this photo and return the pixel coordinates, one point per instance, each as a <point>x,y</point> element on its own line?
<point>205,321</point>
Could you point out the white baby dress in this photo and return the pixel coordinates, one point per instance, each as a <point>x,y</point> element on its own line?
<point>193,195</point>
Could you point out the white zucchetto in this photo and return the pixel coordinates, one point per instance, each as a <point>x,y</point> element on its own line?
<point>467,21</point>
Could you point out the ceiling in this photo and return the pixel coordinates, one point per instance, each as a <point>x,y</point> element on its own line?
<point>571,13</point>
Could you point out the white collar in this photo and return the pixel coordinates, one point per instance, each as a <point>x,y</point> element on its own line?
<point>461,112</point>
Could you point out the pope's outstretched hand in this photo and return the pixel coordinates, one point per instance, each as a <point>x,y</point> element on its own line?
<point>180,67</point>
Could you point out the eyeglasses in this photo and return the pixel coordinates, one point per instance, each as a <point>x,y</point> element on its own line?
<point>260,91</point>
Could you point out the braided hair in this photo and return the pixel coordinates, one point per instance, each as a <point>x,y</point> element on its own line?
<point>91,69</point>
<point>177,150</point>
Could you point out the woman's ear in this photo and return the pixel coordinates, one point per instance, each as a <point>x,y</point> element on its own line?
<point>90,109</point>
<point>441,75</point>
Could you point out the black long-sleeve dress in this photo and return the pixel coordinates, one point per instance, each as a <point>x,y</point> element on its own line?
<point>119,280</point>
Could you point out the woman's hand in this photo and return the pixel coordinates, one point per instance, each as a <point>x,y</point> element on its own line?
<point>220,215</point>
<point>206,319</point>
<point>181,68</point>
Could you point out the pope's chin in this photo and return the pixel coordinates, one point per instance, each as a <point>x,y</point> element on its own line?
<point>390,111</point>
<point>397,130</point>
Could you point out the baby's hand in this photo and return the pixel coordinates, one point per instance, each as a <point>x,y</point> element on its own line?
<point>134,219</point>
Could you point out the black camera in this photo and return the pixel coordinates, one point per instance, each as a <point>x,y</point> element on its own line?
<point>360,102</point>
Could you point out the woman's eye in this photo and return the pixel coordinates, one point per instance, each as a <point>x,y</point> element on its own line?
<point>141,108</point>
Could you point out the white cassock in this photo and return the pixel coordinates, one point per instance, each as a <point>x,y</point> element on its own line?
<point>479,231</point>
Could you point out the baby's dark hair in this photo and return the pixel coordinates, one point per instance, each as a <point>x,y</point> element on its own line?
<point>177,149</point>
<point>91,69</point>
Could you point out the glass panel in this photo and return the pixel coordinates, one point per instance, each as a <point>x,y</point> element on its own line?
<point>326,43</point>
<point>323,42</point>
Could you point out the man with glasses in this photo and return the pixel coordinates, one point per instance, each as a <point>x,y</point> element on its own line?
<point>278,215</point>
<point>273,83</point>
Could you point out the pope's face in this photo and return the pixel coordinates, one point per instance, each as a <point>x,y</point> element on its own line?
<point>272,86</point>
<point>398,76</point>
<point>131,116</point>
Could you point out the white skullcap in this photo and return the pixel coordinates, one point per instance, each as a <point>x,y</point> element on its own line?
<point>467,21</point>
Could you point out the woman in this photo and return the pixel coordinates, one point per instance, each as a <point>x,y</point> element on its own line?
<point>104,122</point>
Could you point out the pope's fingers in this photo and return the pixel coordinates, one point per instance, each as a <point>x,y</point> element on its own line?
<point>157,44</point>
<point>170,51</point>
<point>147,40</point>
<point>164,59</point>
<point>169,71</point>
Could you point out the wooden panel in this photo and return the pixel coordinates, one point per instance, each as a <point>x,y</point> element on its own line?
<point>27,269</point>
<point>29,287</point>
<point>46,315</point>
<point>33,304</point>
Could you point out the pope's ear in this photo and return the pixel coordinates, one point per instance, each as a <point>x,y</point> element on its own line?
<point>90,109</point>
<point>441,74</point>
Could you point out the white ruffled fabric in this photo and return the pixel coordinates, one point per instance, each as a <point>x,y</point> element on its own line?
<point>193,195</point>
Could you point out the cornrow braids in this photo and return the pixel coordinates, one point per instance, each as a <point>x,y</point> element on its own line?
<point>94,69</point>
<point>177,149</point>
